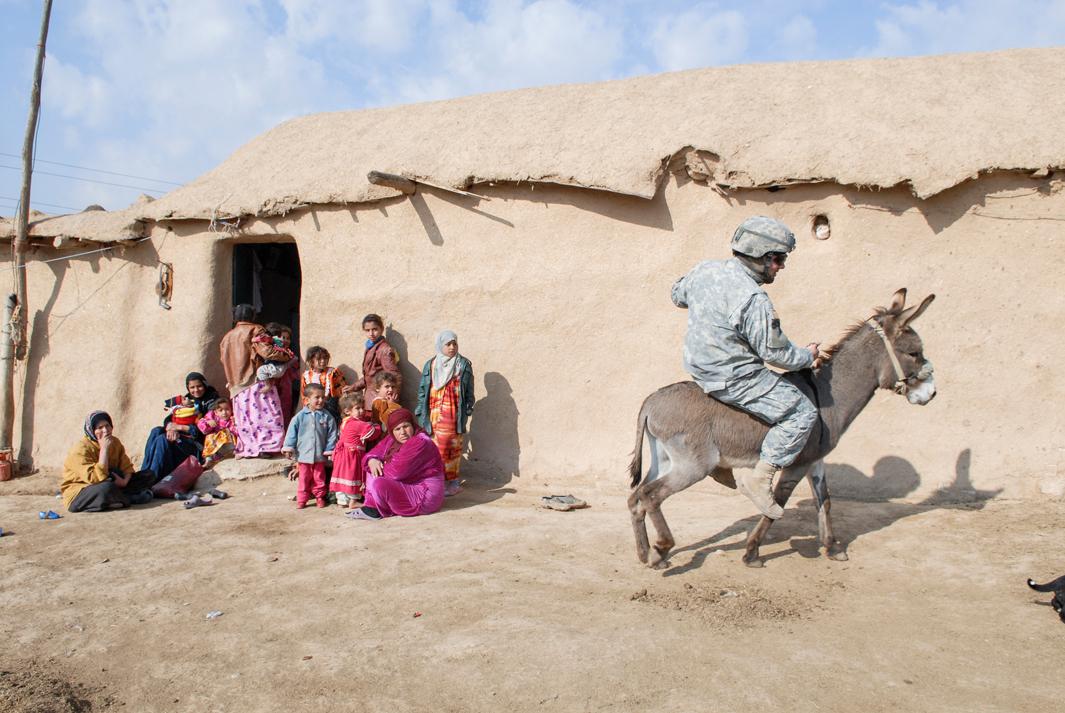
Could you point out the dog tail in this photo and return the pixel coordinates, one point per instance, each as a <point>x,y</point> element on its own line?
<point>1053,586</point>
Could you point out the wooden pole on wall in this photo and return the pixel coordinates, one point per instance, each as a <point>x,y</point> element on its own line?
<point>14,331</point>
<point>7,375</point>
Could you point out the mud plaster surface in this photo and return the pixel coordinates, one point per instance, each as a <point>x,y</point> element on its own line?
<point>527,609</point>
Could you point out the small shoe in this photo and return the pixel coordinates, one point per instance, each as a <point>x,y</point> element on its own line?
<point>219,494</point>
<point>452,487</point>
<point>320,502</point>
<point>364,513</point>
<point>224,451</point>
<point>52,515</point>
<point>301,505</point>
<point>193,502</point>
<point>181,496</point>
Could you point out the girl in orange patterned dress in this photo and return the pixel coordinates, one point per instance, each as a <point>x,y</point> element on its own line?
<point>445,402</point>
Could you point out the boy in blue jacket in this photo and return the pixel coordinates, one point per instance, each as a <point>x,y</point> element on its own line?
<point>311,437</point>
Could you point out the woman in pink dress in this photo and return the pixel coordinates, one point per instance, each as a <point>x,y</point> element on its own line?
<point>404,473</point>
<point>260,427</point>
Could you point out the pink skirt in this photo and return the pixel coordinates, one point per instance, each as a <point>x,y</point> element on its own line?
<point>391,497</point>
<point>259,424</point>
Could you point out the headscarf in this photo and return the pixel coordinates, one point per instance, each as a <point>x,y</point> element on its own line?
<point>93,420</point>
<point>400,415</point>
<point>202,404</point>
<point>444,367</point>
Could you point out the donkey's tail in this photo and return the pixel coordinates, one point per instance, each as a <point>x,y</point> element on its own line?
<point>1057,584</point>
<point>636,466</point>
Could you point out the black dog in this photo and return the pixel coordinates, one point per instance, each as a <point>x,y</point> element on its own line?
<point>1058,587</point>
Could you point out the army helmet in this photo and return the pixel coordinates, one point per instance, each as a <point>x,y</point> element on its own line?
<point>757,236</point>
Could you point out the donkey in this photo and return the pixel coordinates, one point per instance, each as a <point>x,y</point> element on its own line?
<point>692,435</point>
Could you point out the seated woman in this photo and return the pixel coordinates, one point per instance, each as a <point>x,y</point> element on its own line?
<point>404,473</point>
<point>169,445</point>
<point>98,474</point>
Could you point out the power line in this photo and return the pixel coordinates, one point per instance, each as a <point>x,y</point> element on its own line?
<point>88,180</point>
<point>97,170</point>
<point>33,202</point>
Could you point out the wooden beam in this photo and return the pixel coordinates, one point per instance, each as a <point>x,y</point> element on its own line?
<point>391,180</point>
<point>407,186</point>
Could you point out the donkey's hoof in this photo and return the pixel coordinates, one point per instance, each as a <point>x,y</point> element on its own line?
<point>660,559</point>
<point>838,554</point>
<point>754,562</point>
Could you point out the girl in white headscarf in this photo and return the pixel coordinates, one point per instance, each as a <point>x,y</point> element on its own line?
<point>445,402</point>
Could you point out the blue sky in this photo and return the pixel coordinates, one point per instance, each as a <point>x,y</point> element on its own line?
<point>163,90</point>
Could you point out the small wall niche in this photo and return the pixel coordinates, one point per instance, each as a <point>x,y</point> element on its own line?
<point>820,227</point>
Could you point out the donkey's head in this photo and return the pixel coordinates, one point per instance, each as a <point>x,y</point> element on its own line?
<point>904,367</point>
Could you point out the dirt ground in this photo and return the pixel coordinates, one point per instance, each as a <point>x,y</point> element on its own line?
<point>495,604</point>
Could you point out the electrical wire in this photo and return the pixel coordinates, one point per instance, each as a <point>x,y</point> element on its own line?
<point>88,180</point>
<point>87,252</point>
<point>50,205</point>
<point>96,170</point>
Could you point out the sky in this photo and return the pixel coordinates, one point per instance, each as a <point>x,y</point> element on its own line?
<point>141,96</point>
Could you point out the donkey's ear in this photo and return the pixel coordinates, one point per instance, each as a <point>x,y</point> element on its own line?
<point>898,301</point>
<point>914,312</point>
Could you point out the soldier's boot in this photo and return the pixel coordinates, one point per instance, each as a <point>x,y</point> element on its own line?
<point>757,485</point>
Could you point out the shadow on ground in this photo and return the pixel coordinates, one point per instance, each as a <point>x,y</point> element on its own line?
<point>862,505</point>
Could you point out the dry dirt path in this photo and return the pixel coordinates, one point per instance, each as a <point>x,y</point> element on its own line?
<point>496,605</point>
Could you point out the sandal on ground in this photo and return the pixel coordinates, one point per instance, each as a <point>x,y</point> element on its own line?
<point>563,502</point>
<point>199,501</point>
<point>219,494</point>
<point>364,513</point>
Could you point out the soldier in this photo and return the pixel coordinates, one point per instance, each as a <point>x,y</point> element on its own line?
<point>733,331</point>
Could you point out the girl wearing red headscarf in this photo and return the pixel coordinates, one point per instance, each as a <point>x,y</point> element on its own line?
<point>404,473</point>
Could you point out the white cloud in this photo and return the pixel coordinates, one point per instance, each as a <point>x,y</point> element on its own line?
<point>513,45</point>
<point>797,38</point>
<point>177,85</point>
<point>928,27</point>
<point>382,25</point>
<point>75,94</point>
<point>699,37</point>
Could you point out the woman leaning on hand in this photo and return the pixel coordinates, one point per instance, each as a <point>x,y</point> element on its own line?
<point>98,474</point>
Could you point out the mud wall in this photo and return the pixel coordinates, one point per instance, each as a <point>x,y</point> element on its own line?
<point>560,298</point>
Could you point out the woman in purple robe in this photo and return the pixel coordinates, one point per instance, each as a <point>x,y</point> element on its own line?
<point>404,473</point>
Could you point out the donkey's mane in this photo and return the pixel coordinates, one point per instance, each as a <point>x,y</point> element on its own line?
<point>854,329</point>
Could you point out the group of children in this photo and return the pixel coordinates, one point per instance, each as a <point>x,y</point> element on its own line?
<point>313,437</point>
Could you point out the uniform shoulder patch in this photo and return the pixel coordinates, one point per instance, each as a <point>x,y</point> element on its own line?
<point>776,340</point>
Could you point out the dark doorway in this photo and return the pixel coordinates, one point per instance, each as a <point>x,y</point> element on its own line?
<point>268,276</point>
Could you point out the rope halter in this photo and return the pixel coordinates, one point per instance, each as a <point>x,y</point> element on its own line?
<point>900,386</point>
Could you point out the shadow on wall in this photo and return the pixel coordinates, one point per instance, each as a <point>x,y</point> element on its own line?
<point>45,324</point>
<point>411,374</point>
<point>494,451</point>
<point>940,211</point>
<point>616,206</point>
<point>868,507</point>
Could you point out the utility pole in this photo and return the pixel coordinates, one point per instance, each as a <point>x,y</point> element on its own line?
<point>14,332</point>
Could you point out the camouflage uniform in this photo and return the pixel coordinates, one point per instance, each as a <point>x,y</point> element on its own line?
<point>733,332</point>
